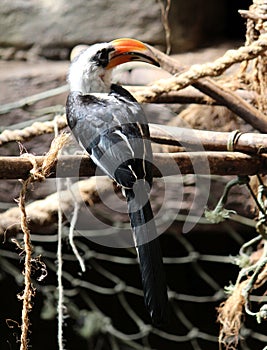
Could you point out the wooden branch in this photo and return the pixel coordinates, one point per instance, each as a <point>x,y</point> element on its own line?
<point>188,139</point>
<point>42,213</point>
<point>195,74</point>
<point>166,135</point>
<point>191,139</point>
<point>191,95</point>
<point>187,95</point>
<point>210,163</point>
<point>217,163</point>
<point>235,103</point>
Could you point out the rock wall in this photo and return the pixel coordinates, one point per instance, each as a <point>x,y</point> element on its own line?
<point>50,26</point>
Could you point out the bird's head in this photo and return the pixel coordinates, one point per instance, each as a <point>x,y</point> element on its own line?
<point>91,70</point>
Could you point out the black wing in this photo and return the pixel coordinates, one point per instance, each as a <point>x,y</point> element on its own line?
<point>113,130</point>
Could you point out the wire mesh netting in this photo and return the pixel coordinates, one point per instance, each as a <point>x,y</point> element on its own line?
<point>104,305</point>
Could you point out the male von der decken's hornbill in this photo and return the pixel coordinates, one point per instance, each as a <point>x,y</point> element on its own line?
<point>111,126</point>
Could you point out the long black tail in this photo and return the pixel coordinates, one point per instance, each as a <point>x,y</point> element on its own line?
<point>149,254</point>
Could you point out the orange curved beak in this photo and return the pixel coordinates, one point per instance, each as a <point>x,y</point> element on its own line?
<point>127,50</point>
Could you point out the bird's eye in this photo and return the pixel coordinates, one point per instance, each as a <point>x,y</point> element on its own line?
<point>102,57</point>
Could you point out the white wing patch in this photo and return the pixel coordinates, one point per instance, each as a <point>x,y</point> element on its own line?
<point>131,168</point>
<point>125,139</point>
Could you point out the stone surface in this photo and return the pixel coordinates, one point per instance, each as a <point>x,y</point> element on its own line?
<point>51,27</point>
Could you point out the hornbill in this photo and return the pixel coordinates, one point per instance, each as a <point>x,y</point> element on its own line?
<point>111,126</point>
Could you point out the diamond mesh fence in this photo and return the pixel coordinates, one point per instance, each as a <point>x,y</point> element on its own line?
<point>103,306</point>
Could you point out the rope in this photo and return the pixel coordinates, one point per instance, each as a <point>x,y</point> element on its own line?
<point>36,174</point>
